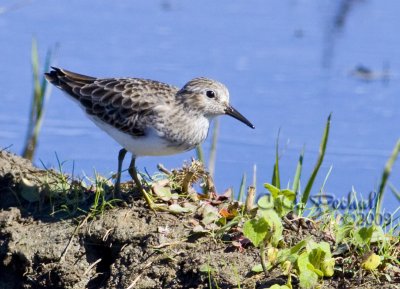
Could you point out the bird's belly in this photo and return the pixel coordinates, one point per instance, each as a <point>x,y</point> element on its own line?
<point>149,145</point>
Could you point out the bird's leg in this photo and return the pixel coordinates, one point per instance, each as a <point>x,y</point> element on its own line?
<point>121,156</point>
<point>132,171</point>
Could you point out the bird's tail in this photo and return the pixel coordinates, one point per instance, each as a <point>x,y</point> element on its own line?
<point>68,81</point>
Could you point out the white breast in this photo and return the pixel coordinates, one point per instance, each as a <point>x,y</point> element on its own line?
<point>149,145</point>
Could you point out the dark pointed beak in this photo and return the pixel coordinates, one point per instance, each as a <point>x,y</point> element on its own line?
<point>234,113</point>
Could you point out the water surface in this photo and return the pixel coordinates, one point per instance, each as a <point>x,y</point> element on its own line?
<point>288,65</point>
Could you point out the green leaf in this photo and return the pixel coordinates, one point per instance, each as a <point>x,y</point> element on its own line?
<point>363,236</point>
<point>385,176</point>
<point>210,215</point>
<point>275,176</point>
<point>322,149</point>
<point>242,188</point>
<point>256,230</point>
<point>284,203</point>
<point>164,193</point>
<point>308,279</point>
<point>324,246</point>
<point>274,222</point>
<point>206,268</point>
<point>371,262</point>
<point>300,245</point>
<point>302,261</point>
<point>378,235</point>
<point>342,232</point>
<point>265,202</point>
<point>297,175</point>
<point>277,286</point>
<point>272,189</point>
<point>175,208</point>
<point>316,256</point>
<point>257,268</point>
<point>315,270</point>
<point>327,267</point>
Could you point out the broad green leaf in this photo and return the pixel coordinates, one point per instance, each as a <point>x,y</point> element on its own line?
<point>308,279</point>
<point>371,262</point>
<point>265,202</point>
<point>300,245</point>
<point>284,255</point>
<point>256,230</point>
<point>272,254</point>
<point>378,235</point>
<point>288,194</point>
<point>175,208</point>
<point>363,235</point>
<point>316,256</point>
<point>315,270</point>
<point>272,189</point>
<point>327,267</point>
<point>257,268</point>
<point>286,267</point>
<point>164,193</point>
<point>326,248</point>
<point>342,232</point>
<point>277,286</point>
<point>210,215</point>
<point>302,261</point>
<point>274,234</point>
<point>206,268</point>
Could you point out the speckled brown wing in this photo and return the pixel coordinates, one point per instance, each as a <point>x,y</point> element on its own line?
<point>124,103</point>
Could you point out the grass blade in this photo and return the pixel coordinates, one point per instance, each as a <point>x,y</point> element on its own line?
<point>321,155</point>
<point>242,188</point>
<point>395,192</point>
<point>385,177</point>
<point>297,175</point>
<point>39,99</point>
<point>276,180</point>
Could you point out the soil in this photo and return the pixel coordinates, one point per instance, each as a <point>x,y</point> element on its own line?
<point>128,246</point>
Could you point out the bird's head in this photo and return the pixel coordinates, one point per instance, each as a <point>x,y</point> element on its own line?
<point>209,98</point>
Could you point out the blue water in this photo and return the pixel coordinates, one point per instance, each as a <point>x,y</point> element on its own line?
<point>288,64</point>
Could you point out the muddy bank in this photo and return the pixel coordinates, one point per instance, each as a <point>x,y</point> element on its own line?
<point>127,246</point>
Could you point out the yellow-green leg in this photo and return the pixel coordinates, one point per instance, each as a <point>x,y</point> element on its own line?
<point>132,171</point>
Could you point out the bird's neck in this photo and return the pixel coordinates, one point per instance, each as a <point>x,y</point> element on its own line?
<point>186,127</point>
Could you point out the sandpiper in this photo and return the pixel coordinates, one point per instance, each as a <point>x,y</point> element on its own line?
<point>147,117</point>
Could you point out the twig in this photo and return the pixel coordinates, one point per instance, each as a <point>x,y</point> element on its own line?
<point>163,169</point>
<point>251,192</point>
<point>91,266</point>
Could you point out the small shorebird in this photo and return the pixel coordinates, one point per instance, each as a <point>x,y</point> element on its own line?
<point>147,117</point>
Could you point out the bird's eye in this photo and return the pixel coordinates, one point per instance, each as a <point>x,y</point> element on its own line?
<point>210,94</point>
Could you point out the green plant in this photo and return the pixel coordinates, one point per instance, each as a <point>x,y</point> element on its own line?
<point>276,182</point>
<point>41,92</point>
<point>322,150</point>
<point>265,228</point>
<point>385,177</point>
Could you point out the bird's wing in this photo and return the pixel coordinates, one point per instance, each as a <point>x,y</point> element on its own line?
<point>127,104</point>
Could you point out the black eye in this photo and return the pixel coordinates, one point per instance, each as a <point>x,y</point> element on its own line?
<point>210,94</point>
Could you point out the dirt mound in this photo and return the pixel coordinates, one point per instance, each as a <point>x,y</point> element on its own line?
<point>127,246</point>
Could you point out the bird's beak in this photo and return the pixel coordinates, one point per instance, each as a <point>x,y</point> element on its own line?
<point>234,113</point>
